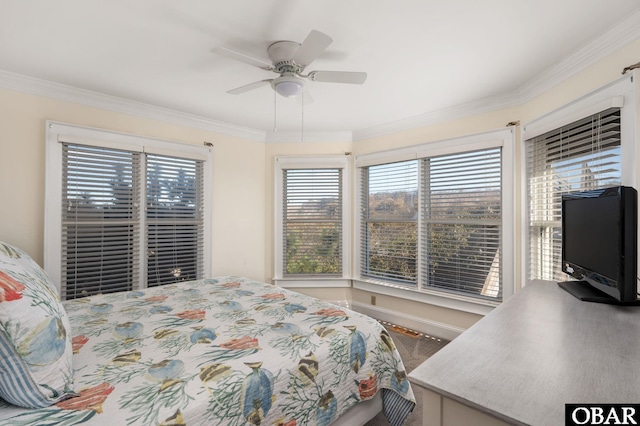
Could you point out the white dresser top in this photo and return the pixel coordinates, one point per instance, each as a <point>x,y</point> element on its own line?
<point>540,349</point>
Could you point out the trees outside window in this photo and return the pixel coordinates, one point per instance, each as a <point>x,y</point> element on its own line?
<point>435,223</point>
<point>312,232</point>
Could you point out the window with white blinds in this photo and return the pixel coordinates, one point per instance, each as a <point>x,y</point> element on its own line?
<point>130,219</point>
<point>389,234</point>
<point>312,221</point>
<point>435,223</point>
<point>462,217</point>
<point>174,219</point>
<point>100,220</point>
<point>579,156</point>
<point>312,241</point>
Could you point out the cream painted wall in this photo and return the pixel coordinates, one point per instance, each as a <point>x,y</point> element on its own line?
<point>243,174</point>
<point>438,132</point>
<point>238,186</point>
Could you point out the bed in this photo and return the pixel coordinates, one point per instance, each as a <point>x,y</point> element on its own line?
<point>224,350</point>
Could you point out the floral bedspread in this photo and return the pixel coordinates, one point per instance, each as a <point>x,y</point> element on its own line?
<point>226,351</point>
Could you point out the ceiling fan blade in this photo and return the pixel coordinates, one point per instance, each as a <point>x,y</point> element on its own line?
<point>312,46</point>
<point>349,77</point>
<point>248,87</point>
<point>239,56</point>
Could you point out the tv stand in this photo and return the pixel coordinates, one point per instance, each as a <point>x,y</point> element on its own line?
<point>587,293</point>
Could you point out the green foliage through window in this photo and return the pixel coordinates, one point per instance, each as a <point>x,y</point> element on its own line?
<point>312,221</point>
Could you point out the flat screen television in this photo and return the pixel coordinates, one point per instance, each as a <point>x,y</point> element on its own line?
<point>599,245</point>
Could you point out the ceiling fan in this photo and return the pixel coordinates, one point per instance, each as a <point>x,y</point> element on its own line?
<point>289,59</point>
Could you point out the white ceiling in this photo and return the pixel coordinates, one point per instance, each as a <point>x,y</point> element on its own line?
<point>421,56</point>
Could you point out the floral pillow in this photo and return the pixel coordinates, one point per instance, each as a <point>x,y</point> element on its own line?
<point>35,336</point>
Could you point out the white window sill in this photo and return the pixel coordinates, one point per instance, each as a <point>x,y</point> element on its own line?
<point>450,301</point>
<point>312,282</point>
<point>460,303</point>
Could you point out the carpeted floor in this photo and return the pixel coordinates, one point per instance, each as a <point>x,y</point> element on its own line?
<point>414,349</point>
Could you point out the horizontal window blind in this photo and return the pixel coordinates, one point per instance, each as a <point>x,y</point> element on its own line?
<point>100,220</point>
<point>174,219</point>
<point>579,156</point>
<point>312,221</point>
<point>110,243</point>
<point>390,222</point>
<point>461,223</point>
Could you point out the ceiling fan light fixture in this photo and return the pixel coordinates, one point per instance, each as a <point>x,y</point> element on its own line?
<point>289,87</point>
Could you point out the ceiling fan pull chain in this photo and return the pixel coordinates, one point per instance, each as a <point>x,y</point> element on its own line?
<point>275,118</point>
<point>302,124</point>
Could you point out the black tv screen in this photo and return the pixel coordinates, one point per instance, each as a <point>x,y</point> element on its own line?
<point>599,244</point>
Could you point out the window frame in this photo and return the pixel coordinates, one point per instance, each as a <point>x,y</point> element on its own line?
<point>504,138</point>
<point>621,93</point>
<point>282,163</point>
<point>58,132</point>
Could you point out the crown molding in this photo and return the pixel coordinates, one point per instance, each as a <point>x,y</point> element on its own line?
<point>480,106</point>
<point>35,86</point>
<point>284,137</point>
<point>616,38</point>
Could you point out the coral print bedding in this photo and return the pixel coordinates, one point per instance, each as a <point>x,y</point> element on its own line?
<point>221,351</point>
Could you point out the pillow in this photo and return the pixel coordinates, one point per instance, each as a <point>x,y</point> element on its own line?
<point>35,336</point>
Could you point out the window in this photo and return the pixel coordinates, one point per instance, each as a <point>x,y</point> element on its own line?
<point>588,143</point>
<point>462,223</point>
<point>432,218</point>
<point>390,221</point>
<point>311,236</point>
<point>174,219</point>
<point>579,156</point>
<point>132,214</point>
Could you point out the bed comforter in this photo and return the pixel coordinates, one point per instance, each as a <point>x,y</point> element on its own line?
<point>226,351</point>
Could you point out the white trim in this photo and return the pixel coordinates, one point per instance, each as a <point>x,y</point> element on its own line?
<point>489,139</point>
<point>93,136</point>
<point>306,136</point>
<point>312,282</point>
<point>96,142</point>
<point>430,297</point>
<point>208,215</point>
<point>509,258</point>
<point>383,157</point>
<point>303,162</point>
<point>49,89</point>
<point>428,327</point>
<point>481,106</point>
<point>52,206</point>
<point>615,94</point>
<point>616,38</point>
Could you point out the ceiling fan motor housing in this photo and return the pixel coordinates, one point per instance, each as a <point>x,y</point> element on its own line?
<point>281,54</point>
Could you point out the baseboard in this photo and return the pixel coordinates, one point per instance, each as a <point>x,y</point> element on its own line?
<point>428,327</point>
